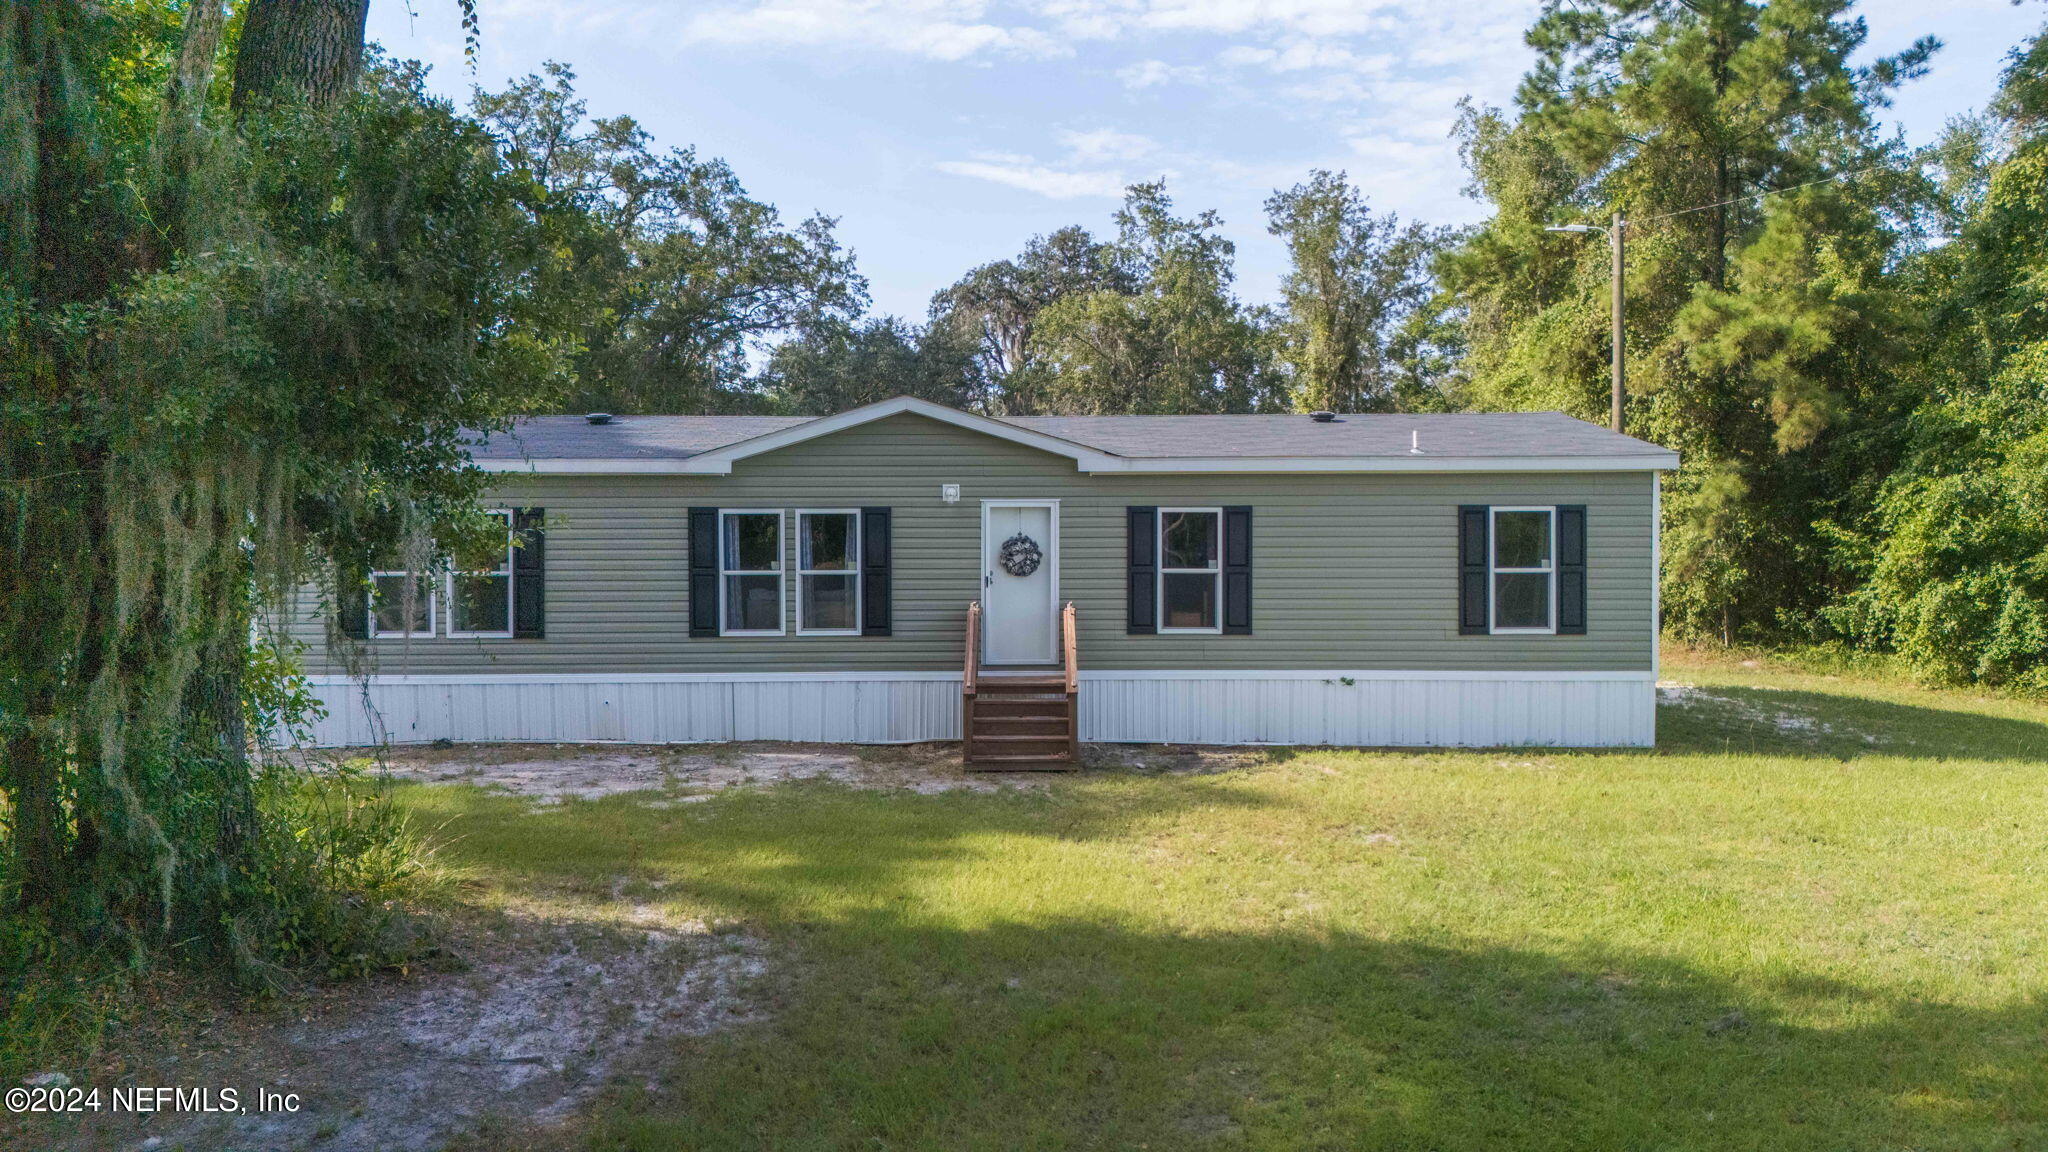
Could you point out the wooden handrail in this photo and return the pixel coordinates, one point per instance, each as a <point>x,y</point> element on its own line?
<point>1070,647</point>
<point>973,664</point>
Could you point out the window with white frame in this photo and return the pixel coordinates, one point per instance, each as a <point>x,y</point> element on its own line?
<point>828,572</point>
<point>402,603</point>
<point>1190,569</point>
<point>480,599</point>
<point>1523,569</point>
<point>750,573</point>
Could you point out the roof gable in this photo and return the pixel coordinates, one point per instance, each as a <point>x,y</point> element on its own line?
<point>719,461</point>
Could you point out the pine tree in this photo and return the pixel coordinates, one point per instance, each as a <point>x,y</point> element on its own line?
<point>1738,140</point>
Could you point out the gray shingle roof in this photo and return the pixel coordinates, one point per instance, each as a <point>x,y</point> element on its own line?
<point>1476,434</point>
<point>626,437</point>
<point>1465,435</point>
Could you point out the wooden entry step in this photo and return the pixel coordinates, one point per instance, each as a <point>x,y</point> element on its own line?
<point>999,685</point>
<point>1030,722</point>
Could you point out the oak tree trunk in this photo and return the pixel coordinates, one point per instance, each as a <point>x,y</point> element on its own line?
<point>307,50</point>
<point>179,136</point>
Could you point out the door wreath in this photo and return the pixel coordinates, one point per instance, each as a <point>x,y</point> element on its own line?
<point>1020,555</point>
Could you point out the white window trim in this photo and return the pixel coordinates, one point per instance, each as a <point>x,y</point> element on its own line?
<point>781,572</point>
<point>858,571</point>
<point>423,587</point>
<point>1492,570</point>
<point>1159,593</point>
<point>511,589</point>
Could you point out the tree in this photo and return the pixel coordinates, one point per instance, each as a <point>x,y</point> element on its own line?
<point>1178,342</point>
<point>1955,565</point>
<point>997,306</point>
<point>832,367</point>
<point>236,353</point>
<point>304,50</point>
<point>1764,210</point>
<point>690,276</point>
<point>1352,298</point>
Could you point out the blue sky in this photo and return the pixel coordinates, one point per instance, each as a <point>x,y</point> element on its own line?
<point>945,133</point>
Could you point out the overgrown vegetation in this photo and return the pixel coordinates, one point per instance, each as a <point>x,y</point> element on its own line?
<point>337,887</point>
<point>242,333</point>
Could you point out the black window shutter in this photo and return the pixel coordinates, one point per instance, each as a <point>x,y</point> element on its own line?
<point>529,575</point>
<point>703,571</point>
<point>352,607</point>
<point>1571,569</point>
<point>875,584</point>
<point>1142,590</point>
<point>1473,533</point>
<point>1237,571</point>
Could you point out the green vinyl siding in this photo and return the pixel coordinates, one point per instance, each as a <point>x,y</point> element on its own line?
<point>1350,571</point>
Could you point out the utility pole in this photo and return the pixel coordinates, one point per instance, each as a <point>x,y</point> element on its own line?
<point>1614,239</point>
<point>1614,234</point>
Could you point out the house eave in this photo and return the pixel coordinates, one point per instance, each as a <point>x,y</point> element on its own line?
<point>1186,465</point>
<point>1222,464</point>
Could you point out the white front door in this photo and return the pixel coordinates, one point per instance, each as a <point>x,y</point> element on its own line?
<point>1018,612</point>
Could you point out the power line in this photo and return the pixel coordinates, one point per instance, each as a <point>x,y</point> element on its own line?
<point>1758,195</point>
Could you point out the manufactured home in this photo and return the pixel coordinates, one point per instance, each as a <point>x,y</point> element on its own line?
<point>906,572</point>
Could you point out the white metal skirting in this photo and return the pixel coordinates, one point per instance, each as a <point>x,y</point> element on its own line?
<point>1373,711</point>
<point>1372,708</point>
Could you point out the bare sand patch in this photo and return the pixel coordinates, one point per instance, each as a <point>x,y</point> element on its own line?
<point>1787,721</point>
<point>543,1016</point>
<point>685,773</point>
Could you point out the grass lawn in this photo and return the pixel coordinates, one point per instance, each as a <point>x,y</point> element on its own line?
<point>1815,917</point>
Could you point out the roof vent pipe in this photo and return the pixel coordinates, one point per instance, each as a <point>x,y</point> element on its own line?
<point>1415,442</point>
<point>599,417</point>
<point>1323,417</point>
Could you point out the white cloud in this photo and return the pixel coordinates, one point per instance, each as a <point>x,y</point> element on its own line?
<point>1421,179</point>
<point>1300,19</point>
<point>1286,35</point>
<point>944,30</point>
<point>1157,73</point>
<point>1304,55</point>
<point>1045,180</point>
<point>1107,144</point>
<point>1092,162</point>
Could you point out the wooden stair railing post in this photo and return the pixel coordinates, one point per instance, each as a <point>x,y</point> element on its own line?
<point>967,678</point>
<point>1070,654</point>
